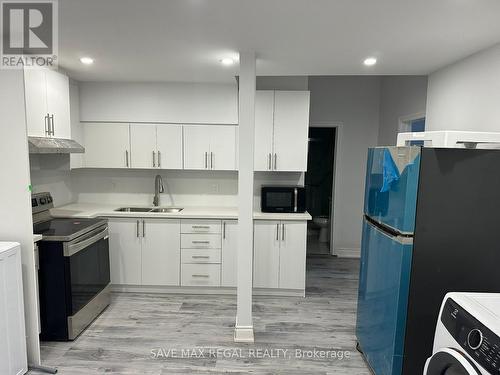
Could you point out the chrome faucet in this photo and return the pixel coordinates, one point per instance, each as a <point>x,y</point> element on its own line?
<point>158,189</point>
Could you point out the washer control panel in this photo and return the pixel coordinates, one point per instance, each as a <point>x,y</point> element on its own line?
<point>474,337</point>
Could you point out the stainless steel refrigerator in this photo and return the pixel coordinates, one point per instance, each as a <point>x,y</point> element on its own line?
<point>431,225</point>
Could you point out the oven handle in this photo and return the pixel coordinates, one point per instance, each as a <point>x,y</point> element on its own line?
<point>71,248</point>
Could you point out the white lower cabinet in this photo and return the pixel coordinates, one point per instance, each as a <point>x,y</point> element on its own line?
<point>266,256</point>
<point>280,254</point>
<point>229,253</point>
<point>144,251</point>
<point>160,252</point>
<point>200,275</point>
<point>203,252</point>
<point>125,251</point>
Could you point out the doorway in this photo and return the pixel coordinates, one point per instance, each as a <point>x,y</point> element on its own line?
<point>319,182</point>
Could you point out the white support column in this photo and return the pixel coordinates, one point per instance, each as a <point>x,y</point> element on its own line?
<point>243,331</point>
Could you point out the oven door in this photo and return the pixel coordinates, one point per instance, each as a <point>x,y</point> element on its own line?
<point>88,262</point>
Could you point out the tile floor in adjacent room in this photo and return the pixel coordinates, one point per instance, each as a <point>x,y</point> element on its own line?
<point>121,339</point>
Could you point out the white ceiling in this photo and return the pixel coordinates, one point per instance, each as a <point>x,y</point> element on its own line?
<point>183,40</point>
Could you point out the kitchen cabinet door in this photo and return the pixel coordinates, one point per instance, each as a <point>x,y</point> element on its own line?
<point>161,252</point>
<point>291,126</point>
<point>107,145</point>
<point>143,146</point>
<point>266,258</point>
<point>222,147</point>
<point>293,255</point>
<point>196,146</point>
<point>58,103</point>
<point>229,252</point>
<point>264,114</point>
<point>125,251</point>
<point>169,146</point>
<point>35,93</point>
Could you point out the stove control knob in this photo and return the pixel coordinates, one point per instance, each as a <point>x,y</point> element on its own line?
<point>475,339</point>
<point>42,200</point>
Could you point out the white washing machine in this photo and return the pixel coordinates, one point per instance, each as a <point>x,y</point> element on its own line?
<point>467,339</point>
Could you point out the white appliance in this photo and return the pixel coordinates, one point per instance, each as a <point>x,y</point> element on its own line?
<point>467,339</point>
<point>13,357</point>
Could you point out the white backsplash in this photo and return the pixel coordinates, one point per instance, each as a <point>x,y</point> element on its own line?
<point>136,187</point>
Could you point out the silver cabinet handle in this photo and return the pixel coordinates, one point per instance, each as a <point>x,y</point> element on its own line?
<point>200,257</point>
<point>224,230</point>
<point>154,159</point>
<point>295,199</point>
<point>277,232</point>
<point>196,275</point>
<point>206,160</point>
<point>52,121</point>
<point>126,158</point>
<point>269,162</point>
<point>159,159</point>
<point>201,242</point>
<point>137,230</point>
<point>211,160</point>
<point>143,228</point>
<point>282,232</point>
<point>275,161</point>
<point>200,226</point>
<point>46,121</point>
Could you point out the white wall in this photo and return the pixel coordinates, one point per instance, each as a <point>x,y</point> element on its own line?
<point>15,209</point>
<point>399,96</point>
<point>466,95</point>
<point>353,101</point>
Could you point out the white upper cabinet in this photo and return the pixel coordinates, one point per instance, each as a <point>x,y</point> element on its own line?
<point>281,130</point>
<point>58,104</point>
<point>142,146</point>
<point>47,103</point>
<point>106,145</point>
<point>264,114</point>
<point>196,147</point>
<point>169,146</point>
<point>181,103</point>
<point>35,91</point>
<point>223,147</point>
<point>210,147</point>
<point>291,126</point>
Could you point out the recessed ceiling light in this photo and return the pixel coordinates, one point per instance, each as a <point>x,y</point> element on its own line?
<point>87,60</point>
<point>227,61</point>
<point>370,61</point>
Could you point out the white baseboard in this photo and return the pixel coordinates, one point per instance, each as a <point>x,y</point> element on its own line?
<point>348,252</point>
<point>205,290</point>
<point>243,334</point>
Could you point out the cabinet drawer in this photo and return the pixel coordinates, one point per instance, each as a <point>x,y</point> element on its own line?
<point>200,275</point>
<point>201,256</point>
<point>200,226</point>
<point>200,241</point>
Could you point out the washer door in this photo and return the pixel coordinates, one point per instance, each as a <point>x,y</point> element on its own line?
<point>448,361</point>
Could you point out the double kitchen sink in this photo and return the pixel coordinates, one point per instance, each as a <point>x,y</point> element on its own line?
<point>161,210</point>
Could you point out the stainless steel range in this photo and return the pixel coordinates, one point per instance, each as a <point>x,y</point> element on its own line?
<point>74,273</point>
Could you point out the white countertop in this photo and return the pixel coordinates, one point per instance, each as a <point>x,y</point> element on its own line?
<point>92,210</point>
<point>37,237</point>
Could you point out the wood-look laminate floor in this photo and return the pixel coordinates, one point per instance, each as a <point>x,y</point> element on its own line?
<point>136,328</point>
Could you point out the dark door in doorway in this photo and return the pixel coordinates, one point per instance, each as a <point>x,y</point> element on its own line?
<point>319,180</point>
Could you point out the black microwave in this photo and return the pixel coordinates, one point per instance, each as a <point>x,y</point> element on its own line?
<point>283,199</point>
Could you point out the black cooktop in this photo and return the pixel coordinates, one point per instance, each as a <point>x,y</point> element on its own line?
<point>62,229</point>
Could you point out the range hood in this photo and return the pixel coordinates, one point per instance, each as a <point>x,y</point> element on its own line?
<point>42,145</point>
